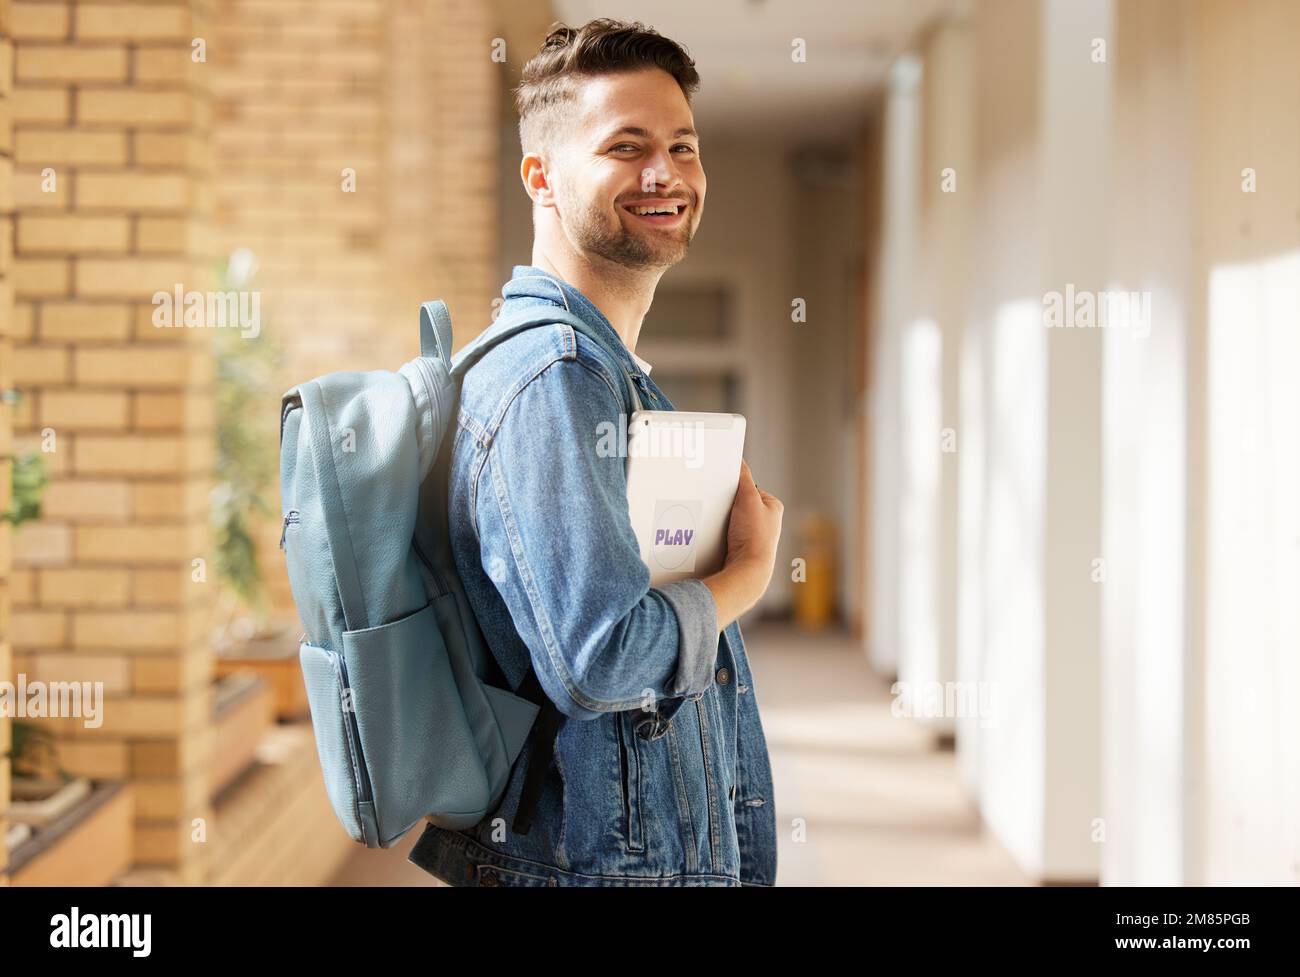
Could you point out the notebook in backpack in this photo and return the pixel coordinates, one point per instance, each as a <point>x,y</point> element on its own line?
<point>399,678</point>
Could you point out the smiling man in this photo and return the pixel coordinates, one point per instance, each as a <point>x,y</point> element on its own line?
<point>659,771</point>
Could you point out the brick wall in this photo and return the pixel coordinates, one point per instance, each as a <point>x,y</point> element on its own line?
<point>161,166</point>
<point>405,95</point>
<point>111,146</point>
<point>6,422</point>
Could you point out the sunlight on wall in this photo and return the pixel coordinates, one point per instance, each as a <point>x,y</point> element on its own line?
<point>919,516</point>
<point>1253,571</point>
<point>1013,764</point>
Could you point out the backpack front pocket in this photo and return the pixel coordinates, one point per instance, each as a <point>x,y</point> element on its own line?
<point>391,729</point>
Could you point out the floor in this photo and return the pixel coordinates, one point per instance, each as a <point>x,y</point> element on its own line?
<point>862,798</point>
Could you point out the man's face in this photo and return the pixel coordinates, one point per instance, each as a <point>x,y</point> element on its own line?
<point>602,168</point>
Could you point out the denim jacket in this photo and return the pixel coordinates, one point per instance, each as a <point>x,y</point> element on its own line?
<point>660,774</point>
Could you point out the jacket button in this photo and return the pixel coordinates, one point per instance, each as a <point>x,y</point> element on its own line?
<point>489,878</point>
<point>723,676</point>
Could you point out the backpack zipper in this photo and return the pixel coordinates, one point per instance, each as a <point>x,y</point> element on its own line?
<point>354,734</point>
<point>437,577</point>
<point>292,516</point>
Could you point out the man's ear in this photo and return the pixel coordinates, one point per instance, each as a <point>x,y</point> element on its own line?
<point>532,170</point>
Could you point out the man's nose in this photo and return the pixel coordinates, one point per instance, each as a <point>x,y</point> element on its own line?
<point>662,177</point>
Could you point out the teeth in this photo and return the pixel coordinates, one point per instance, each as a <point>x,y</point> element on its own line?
<point>654,210</point>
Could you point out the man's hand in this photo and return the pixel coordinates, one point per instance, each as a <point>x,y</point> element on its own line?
<point>753,531</point>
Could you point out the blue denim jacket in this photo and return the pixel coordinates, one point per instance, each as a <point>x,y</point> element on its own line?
<point>661,773</point>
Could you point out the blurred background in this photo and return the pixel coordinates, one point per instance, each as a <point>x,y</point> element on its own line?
<point>1009,292</point>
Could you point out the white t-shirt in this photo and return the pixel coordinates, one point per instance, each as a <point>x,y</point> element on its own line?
<point>641,363</point>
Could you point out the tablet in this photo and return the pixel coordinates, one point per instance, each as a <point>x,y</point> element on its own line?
<point>683,470</point>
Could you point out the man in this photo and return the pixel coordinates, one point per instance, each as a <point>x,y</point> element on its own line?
<point>660,772</point>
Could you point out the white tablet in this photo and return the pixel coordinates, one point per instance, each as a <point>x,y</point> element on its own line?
<point>683,470</point>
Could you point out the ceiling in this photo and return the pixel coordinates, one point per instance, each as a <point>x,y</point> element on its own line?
<point>750,85</point>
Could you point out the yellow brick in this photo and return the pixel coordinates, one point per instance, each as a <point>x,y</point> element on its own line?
<point>170,65</point>
<point>39,21</point>
<point>171,499</point>
<point>173,756</point>
<point>132,107</point>
<point>22,587</point>
<point>72,234</point>
<point>24,416</point>
<point>113,670</point>
<point>41,105</point>
<point>96,760</point>
<point>42,544</point>
<point>6,257</point>
<point>133,191</point>
<point>126,629</point>
<point>84,320</point>
<point>160,799</point>
<point>134,22</point>
<point>69,62</point>
<point>139,716</point>
<point>138,278</point>
<point>6,126</point>
<point>39,629</point>
<point>35,366</point>
<point>82,410</point>
<point>7,195</point>
<point>135,545</point>
<point>132,366</point>
<point>6,64</point>
<point>155,235</point>
<point>166,587</point>
<point>171,150</point>
<point>80,587</point>
<point>190,412</point>
<point>159,411</point>
<point>52,445</point>
<point>30,193</point>
<point>21,324</point>
<point>40,277</point>
<point>130,455</point>
<point>70,147</point>
<point>86,500</point>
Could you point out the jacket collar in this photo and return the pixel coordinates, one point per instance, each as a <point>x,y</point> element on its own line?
<point>529,282</point>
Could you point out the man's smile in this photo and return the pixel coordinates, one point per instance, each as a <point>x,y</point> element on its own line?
<point>658,211</point>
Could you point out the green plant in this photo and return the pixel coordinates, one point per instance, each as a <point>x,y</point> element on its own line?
<point>28,479</point>
<point>34,753</point>
<point>247,455</point>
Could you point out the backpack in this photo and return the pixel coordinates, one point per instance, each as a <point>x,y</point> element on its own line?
<point>408,720</point>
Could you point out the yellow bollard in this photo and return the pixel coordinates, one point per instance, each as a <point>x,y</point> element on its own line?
<point>814,590</point>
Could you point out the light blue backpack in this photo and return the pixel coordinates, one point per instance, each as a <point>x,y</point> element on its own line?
<point>397,671</point>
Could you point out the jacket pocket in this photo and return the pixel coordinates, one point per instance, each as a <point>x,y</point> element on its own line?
<point>629,757</point>
<point>493,875</point>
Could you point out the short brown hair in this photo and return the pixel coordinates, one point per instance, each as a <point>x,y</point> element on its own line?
<point>600,46</point>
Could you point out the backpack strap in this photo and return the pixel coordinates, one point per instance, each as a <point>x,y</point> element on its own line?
<point>435,340</point>
<point>527,318</point>
<point>546,727</point>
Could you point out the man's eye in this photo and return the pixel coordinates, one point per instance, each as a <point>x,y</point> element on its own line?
<point>627,145</point>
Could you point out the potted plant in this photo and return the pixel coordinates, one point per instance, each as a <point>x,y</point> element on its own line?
<point>247,462</point>
<point>41,791</point>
